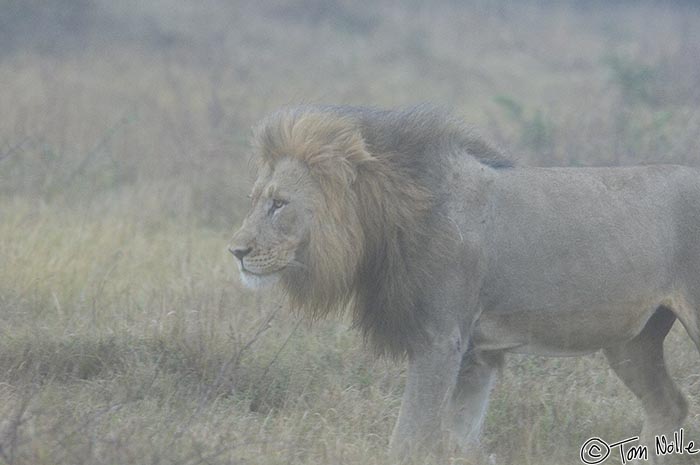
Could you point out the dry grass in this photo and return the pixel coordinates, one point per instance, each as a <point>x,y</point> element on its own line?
<point>124,335</point>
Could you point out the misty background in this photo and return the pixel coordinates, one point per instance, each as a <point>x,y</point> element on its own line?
<point>125,336</point>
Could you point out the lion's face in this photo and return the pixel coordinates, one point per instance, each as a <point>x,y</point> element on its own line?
<point>275,232</point>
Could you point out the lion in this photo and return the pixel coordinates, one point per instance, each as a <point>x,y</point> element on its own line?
<point>449,254</point>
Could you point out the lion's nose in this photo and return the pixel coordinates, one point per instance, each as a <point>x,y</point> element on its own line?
<point>239,253</point>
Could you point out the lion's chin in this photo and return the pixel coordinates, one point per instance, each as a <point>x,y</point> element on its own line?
<point>259,281</point>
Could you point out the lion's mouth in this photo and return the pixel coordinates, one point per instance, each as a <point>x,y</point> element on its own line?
<point>260,273</point>
<point>261,267</point>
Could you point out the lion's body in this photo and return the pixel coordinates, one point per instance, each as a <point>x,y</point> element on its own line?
<point>581,258</point>
<point>454,257</point>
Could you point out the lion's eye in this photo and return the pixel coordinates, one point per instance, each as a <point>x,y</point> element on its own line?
<point>277,204</point>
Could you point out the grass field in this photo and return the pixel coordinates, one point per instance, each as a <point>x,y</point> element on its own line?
<point>125,336</point>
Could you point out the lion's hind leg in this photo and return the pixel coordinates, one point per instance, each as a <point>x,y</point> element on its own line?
<point>687,311</point>
<point>641,366</point>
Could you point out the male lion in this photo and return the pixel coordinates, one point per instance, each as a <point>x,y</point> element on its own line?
<point>447,253</point>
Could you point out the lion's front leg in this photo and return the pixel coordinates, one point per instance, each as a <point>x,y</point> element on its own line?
<point>469,401</point>
<point>432,375</point>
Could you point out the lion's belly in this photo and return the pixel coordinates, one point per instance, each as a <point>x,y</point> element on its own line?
<point>557,332</point>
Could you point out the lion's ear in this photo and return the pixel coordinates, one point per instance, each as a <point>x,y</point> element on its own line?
<point>356,153</point>
<point>343,157</point>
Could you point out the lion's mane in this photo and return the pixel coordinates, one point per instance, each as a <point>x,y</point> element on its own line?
<point>380,213</point>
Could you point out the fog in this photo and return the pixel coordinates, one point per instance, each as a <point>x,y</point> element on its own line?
<point>125,336</point>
